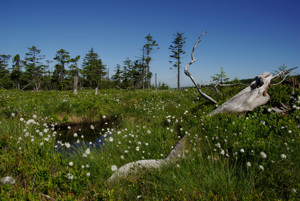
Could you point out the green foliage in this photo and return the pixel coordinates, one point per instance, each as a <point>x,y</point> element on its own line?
<point>220,77</point>
<point>177,53</point>
<point>93,69</point>
<point>228,158</point>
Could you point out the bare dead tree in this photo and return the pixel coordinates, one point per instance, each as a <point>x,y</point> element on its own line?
<point>189,74</point>
<point>75,85</point>
<point>248,99</point>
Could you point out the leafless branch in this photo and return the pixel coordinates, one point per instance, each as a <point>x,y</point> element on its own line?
<point>286,72</point>
<point>189,74</point>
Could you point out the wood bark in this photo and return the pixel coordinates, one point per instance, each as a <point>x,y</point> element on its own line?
<point>75,85</point>
<point>248,99</point>
<point>137,167</point>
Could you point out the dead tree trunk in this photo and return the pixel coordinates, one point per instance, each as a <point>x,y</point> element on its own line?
<point>75,85</point>
<point>248,99</point>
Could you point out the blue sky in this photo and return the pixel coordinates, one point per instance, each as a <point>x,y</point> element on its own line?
<point>246,37</point>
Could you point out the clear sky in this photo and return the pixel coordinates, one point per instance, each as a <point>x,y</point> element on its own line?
<point>246,38</point>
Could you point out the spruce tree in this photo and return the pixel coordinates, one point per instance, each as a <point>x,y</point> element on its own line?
<point>34,67</point>
<point>177,52</point>
<point>220,77</point>
<point>149,47</point>
<point>5,81</point>
<point>16,71</point>
<point>93,69</point>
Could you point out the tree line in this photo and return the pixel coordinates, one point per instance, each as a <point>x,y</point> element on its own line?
<point>35,73</point>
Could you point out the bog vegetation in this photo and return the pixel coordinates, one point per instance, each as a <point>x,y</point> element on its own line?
<point>255,157</point>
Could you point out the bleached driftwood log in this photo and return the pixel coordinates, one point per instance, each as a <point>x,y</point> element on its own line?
<point>136,167</point>
<point>248,99</point>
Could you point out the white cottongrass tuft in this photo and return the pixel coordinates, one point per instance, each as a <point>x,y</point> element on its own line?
<point>283,156</point>
<point>242,150</point>
<point>111,139</point>
<point>92,127</point>
<point>114,168</point>
<point>88,174</point>
<point>7,180</point>
<point>87,151</point>
<point>71,163</point>
<point>70,176</point>
<point>263,154</point>
<point>248,164</point>
<point>68,145</point>
<point>261,167</point>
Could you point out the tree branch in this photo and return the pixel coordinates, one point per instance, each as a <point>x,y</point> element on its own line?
<point>189,74</point>
<point>286,72</point>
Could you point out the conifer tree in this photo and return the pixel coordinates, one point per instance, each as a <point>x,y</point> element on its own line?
<point>177,52</point>
<point>16,71</point>
<point>34,67</point>
<point>220,77</point>
<point>4,72</point>
<point>116,78</point>
<point>149,47</point>
<point>93,69</point>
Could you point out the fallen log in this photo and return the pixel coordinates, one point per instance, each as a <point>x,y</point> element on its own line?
<point>248,99</point>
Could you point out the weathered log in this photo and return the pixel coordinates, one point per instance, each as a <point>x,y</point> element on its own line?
<point>137,167</point>
<point>248,99</point>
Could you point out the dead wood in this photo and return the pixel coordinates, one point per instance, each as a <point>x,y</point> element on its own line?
<point>248,99</point>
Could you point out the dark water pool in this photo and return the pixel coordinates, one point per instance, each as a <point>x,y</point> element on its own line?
<point>83,135</point>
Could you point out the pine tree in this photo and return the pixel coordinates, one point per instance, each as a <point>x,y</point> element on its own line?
<point>5,81</point>
<point>116,78</point>
<point>127,73</point>
<point>16,71</point>
<point>74,66</point>
<point>220,78</point>
<point>137,73</point>
<point>34,67</point>
<point>3,64</point>
<point>93,69</point>
<point>177,52</point>
<point>62,57</point>
<point>148,48</point>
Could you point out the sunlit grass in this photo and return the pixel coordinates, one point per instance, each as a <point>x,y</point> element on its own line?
<point>229,157</point>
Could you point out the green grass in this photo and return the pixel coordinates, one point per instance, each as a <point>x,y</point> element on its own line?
<point>148,123</point>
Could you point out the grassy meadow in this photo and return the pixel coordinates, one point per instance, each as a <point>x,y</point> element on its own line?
<point>230,157</point>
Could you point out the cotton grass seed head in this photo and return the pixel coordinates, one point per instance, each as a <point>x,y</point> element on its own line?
<point>70,176</point>
<point>283,156</point>
<point>263,154</point>
<point>114,168</point>
<point>87,151</point>
<point>261,167</point>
